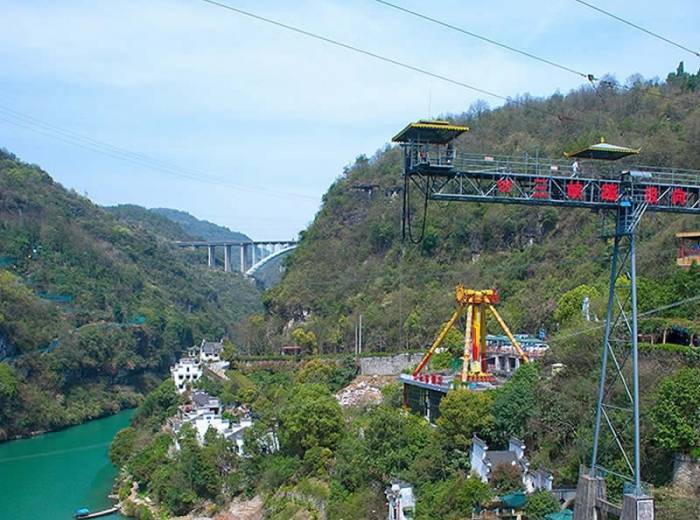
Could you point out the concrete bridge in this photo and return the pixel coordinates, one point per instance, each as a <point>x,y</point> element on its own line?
<point>252,254</point>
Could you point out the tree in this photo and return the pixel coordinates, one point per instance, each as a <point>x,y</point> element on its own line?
<point>393,439</point>
<point>464,413</point>
<point>515,401</point>
<point>159,404</point>
<point>453,499</point>
<point>316,371</point>
<point>122,446</point>
<point>675,415</point>
<point>152,456</point>
<point>570,304</point>
<point>506,478</point>
<point>539,504</point>
<point>310,418</point>
<point>8,382</point>
<point>306,339</point>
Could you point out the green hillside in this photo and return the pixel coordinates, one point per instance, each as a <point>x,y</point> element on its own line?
<point>351,260</point>
<point>201,229</point>
<point>149,220</point>
<point>93,309</point>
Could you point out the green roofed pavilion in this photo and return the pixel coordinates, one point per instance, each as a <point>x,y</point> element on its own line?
<point>604,151</point>
<point>433,132</point>
<point>567,514</point>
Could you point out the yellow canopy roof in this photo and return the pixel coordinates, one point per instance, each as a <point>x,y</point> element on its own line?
<point>437,132</point>
<point>604,151</point>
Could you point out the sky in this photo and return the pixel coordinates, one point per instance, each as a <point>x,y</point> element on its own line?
<point>246,124</point>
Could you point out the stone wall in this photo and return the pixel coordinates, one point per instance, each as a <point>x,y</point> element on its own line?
<point>686,475</point>
<point>388,365</point>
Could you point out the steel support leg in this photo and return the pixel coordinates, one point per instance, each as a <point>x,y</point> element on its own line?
<point>635,368</point>
<point>618,389</point>
<point>604,361</point>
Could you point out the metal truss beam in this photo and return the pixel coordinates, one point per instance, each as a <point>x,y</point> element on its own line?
<point>505,187</point>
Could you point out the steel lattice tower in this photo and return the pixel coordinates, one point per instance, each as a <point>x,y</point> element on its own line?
<point>432,167</point>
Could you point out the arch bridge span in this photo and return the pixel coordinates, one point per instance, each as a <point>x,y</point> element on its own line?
<point>252,254</point>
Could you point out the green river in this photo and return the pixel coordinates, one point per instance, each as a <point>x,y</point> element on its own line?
<point>49,476</point>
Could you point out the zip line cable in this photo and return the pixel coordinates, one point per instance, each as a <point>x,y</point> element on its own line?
<point>67,136</point>
<point>642,315</point>
<point>560,116</point>
<point>358,50</point>
<point>638,27</point>
<point>436,76</point>
<point>588,77</point>
<point>391,61</point>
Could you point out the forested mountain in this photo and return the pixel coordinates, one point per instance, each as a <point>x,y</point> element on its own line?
<point>92,309</point>
<point>201,229</point>
<point>351,260</point>
<point>150,220</point>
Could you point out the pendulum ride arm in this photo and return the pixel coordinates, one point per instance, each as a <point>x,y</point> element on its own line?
<point>505,328</point>
<point>468,344</point>
<point>439,340</point>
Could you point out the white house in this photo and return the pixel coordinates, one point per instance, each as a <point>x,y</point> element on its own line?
<point>484,461</point>
<point>402,503</point>
<point>210,351</point>
<point>185,372</point>
<point>235,433</point>
<point>205,411</point>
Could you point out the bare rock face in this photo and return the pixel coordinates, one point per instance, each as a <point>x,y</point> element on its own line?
<point>686,475</point>
<point>363,390</point>
<point>252,509</point>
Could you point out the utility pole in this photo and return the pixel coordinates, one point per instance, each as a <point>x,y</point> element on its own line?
<point>359,330</point>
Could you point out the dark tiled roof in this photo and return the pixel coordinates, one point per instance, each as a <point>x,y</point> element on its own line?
<point>202,398</point>
<point>212,347</point>
<point>498,457</point>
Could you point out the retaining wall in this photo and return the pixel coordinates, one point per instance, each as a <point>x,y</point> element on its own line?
<point>388,365</point>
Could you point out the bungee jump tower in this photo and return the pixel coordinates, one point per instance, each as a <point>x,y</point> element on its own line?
<point>434,168</point>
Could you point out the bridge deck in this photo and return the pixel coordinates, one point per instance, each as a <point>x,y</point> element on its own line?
<point>204,243</point>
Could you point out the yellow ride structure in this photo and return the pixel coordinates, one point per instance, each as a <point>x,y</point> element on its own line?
<point>473,304</point>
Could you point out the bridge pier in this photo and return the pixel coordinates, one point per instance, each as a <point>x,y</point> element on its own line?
<point>249,254</point>
<point>212,256</point>
<point>227,258</point>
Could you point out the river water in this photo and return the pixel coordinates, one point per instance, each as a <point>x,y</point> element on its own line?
<point>49,476</point>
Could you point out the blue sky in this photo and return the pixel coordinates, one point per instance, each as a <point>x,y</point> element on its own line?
<point>269,118</point>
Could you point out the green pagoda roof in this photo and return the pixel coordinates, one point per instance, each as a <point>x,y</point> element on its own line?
<point>604,151</point>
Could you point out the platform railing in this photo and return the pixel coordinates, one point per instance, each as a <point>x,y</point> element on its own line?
<point>445,158</point>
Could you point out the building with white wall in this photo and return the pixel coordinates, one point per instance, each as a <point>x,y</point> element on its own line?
<point>484,461</point>
<point>210,351</point>
<point>185,372</point>
<point>402,502</point>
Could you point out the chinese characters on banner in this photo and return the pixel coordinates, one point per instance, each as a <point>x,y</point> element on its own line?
<point>574,190</point>
<point>651,194</point>
<point>504,185</point>
<point>541,188</point>
<point>608,192</point>
<point>679,197</point>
